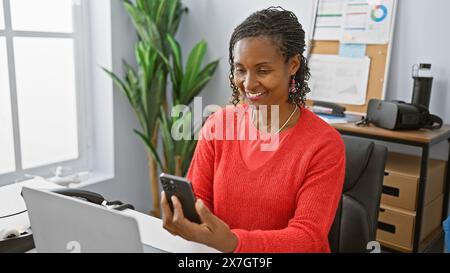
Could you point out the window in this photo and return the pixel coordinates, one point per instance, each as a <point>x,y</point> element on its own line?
<point>41,86</point>
<point>45,86</point>
<point>42,15</point>
<point>2,17</point>
<point>6,136</point>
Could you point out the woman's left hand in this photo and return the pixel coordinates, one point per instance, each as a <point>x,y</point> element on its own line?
<point>212,231</point>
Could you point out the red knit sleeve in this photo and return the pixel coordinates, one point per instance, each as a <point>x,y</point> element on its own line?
<point>317,202</point>
<point>201,170</point>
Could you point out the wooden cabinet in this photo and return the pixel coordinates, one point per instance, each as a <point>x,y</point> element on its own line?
<point>415,189</point>
<point>396,226</point>
<point>397,216</point>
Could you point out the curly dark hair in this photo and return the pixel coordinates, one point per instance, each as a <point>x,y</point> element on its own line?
<point>283,27</point>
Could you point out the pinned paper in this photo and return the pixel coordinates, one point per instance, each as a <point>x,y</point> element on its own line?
<point>352,50</point>
<point>329,17</point>
<point>367,21</point>
<point>339,79</point>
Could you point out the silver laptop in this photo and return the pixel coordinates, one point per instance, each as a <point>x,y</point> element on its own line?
<point>66,224</point>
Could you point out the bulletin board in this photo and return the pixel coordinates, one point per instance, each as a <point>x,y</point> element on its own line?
<point>379,55</point>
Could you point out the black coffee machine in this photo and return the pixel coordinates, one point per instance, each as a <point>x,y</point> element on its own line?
<point>423,82</point>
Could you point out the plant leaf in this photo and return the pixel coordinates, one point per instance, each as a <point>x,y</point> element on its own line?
<point>208,70</point>
<point>177,67</point>
<point>200,82</point>
<point>159,18</point>
<point>168,142</point>
<point>187,156</point>
<point>193,66</point>
<point>119,83</point>
<point>138,19</point>
<point>154,97</point>
<point>195,90</point>
<point>150,147</point>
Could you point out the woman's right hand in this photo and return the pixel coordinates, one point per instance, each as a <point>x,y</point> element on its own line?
<point>212,231</point>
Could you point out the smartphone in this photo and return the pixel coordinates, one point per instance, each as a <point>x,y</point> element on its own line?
<point>182,189</point>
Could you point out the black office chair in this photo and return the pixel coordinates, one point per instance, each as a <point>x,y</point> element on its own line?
<point>355,223</point>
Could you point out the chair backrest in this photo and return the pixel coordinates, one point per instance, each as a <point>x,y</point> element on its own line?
<point>356,219</point>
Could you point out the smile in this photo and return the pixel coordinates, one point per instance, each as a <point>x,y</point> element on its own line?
<point>254,96</point>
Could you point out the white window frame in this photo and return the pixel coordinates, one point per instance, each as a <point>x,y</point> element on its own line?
<point>92,39</point>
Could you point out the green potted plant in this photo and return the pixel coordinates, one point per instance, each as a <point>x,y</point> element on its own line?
<point>159,59</point>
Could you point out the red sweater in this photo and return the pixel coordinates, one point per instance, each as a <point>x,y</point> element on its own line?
<point>286,205</point>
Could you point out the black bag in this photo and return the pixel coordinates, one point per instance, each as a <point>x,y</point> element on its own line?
<point>398,115</point>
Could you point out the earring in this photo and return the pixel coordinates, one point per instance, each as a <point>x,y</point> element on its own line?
<point>293,89</point>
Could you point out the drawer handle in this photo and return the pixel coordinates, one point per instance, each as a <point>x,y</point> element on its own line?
<point>391,191</point>
<point>382,210</point>
<point>386,173</point>
<point>386,227</point>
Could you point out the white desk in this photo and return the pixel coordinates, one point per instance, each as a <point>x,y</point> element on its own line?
<point>150,228</point>
<point>153,234</point>
<point>11,203</point>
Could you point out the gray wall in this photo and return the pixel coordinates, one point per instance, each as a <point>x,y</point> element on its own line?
<point>422,35</point>
<point>131,181</point>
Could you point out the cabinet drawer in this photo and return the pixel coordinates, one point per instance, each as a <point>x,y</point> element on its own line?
<point>401,182</point>
<point>400,190</point>
<point>395,227</point>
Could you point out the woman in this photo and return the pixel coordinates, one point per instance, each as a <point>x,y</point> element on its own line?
<point>250,199</point>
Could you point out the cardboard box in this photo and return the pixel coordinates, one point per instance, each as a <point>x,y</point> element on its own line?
<point>401,181</point>
<point>396,226</point>
<point>400,190</point>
